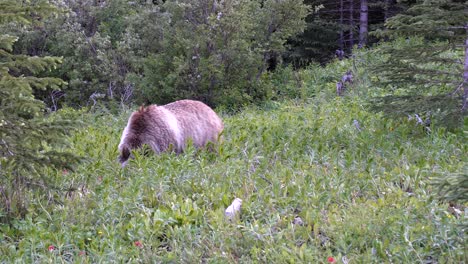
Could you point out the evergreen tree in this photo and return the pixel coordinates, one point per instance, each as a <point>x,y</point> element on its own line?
<point>335,26</point>
<point>320,39</point>
<point>28,140</point>
<point>424,63</point>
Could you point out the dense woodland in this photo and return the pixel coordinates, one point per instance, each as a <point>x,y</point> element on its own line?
<point>223,53</point>
<point>342,90</point>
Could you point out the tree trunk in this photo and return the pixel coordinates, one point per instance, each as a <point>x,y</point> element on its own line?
<point>465,74</point>
<point>341,25</point>
<point>363,23</point>
<point>387,6</point>
<point>351,24</point>
<point>266,55</point>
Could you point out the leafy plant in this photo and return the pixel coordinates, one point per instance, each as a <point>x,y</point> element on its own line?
<point>326,160</point>
<point>210,51</point>
<point>424,59</point>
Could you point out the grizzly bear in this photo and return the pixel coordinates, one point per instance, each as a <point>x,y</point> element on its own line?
<point>170,127</point>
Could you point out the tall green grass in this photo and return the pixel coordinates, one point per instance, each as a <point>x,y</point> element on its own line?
<point>360,183</point>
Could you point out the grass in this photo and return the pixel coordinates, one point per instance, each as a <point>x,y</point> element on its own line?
<point>364,195</point>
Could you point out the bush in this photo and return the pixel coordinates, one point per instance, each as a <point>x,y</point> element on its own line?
<point>214,52</point>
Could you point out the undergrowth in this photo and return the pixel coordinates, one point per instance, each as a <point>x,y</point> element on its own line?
<point>359,182</point>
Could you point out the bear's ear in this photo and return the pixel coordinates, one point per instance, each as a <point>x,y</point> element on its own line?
<point>124,155</point>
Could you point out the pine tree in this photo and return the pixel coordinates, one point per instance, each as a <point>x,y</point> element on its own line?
<point>28,140</point>
<point>424,64</point>
<point>334,26</point>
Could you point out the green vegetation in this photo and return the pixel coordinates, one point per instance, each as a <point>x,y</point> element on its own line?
<point>421,67</point>
<point>215,52</point>
<point>372,171</point>
<point>361,184</point>
<point>29,142</point>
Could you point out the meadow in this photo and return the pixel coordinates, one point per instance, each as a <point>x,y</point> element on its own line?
<point>361,159</point>
<point>322,180</point>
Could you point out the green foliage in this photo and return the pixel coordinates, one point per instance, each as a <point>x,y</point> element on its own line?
<point>85,34</point>
<point>361,183</point>
<point>111,19</point>
<point>419,78</point>
<point>306,160</point>
<point>417,66</point>
<point>159,52</point>
<point>214,52</point>
<point>28,140</point>
<point>425,58</point>
<point>318,43</point>
<point>435,20</point>
<point>442,109</point>
<point>320,39</point>
<point>454,186</point>
<point>22,13</point>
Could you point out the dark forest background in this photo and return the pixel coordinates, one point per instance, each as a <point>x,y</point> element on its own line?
<point>222,52</point>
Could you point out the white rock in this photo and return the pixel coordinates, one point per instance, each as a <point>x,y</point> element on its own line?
<point>233,209</point>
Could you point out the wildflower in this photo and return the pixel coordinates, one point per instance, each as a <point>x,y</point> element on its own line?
<point>51,248</point>
<point>331,260</point>
<point>65,172</point>
<point>138,244</point>
<point>298,221</point>
<point>82,253</point>
<point>357,125</point>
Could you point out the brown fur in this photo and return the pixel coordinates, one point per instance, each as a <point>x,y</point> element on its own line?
<point>170,126</point>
